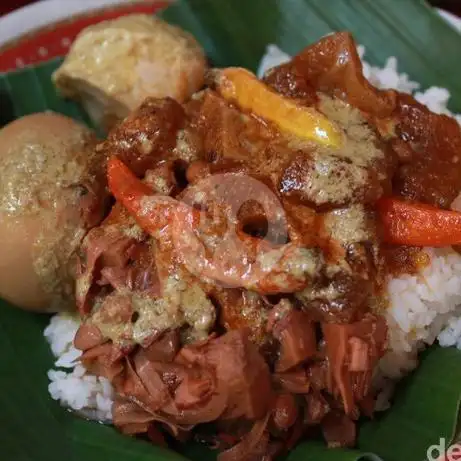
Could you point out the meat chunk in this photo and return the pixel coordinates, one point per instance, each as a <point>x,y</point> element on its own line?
<point>224,377</point>
<point>285,412</point>
<point>239,364</point>
<point>353,351</point>
<point>296,333</point>
<point>343,298</point>
<point>295,381</point>
<point>333,65</point>
<point>339,430</point>
<point>431,174</point>
<point>289,81</point>
<point>316,408</point>
<point>242,309</point>
<point>329,181</point>
<point>147,135</point>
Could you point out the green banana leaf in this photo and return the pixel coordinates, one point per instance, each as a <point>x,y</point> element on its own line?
<point>235,32</point>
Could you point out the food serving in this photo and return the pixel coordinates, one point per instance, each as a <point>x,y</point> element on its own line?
<point>265,268</point>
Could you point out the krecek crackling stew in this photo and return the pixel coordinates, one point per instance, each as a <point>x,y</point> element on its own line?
<point>228,255</point>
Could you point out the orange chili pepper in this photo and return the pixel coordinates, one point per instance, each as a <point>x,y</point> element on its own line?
<point>242,87</point>
<point>417,224</point>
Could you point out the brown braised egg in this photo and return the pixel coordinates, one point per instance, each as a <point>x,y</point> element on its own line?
<point>51,192</point>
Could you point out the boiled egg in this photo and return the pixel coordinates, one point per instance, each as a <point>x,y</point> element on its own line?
<point>51,193</point>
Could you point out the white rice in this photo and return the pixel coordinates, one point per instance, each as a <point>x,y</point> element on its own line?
<point>76,389</point>
<point>421,308</point>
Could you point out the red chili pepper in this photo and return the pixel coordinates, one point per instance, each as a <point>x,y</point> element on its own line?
<point>124,184</point>
<point>133,194</point>
<point>417,224</point>
<point>152,212</point>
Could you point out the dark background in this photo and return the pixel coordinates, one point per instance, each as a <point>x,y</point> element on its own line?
<point>454,6</point>
<point>450,5</point>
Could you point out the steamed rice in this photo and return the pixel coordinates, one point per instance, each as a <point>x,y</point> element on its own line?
<point>76,389</point>
<point>422,307</point>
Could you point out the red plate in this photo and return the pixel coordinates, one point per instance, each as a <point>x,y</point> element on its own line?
<point>54,40</point>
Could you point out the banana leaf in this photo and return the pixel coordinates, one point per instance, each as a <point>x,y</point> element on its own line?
<point>236,32</point>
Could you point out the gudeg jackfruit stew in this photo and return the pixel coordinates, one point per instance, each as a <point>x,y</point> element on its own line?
<point>231,252</point>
